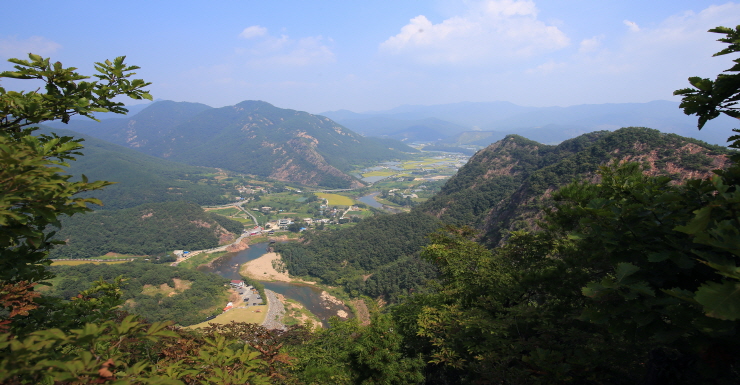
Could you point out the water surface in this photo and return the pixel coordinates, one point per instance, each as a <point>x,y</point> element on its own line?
<point>309,296</point>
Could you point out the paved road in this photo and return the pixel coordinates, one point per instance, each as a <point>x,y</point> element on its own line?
<point>213,250</point>
<point>275,311</point>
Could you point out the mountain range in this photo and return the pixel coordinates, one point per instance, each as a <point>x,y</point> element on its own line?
<point>252,137</point>
<point>481,124</point>
<point>503,188</point>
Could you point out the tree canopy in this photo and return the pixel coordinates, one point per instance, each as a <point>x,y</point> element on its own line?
<point>34,191</point>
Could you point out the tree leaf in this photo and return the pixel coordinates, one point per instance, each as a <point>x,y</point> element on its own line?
<point>720,300</point>
<point>624,270</point>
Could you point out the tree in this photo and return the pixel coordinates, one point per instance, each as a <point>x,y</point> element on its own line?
<point>34,192</point>
<point>717,224</point>
<point>710,98</point>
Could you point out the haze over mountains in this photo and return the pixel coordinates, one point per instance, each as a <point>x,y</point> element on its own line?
<point>252,137</point>
<point>483,123</point>
<point>257,138</point>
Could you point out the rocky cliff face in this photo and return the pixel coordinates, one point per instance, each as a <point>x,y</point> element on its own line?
<point>507,185</point>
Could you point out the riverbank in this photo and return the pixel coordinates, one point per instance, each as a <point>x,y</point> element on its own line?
<point>270,268</point>
<point>264,269</point>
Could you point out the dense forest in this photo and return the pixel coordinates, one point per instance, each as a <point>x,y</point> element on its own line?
<point>378,256</point>
<point>506,185</point>
<point>140,178</point>
<point>149,229</point>
<point>156,292</point>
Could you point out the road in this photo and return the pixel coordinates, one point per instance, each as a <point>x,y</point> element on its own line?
<point>275,311</point>
<point>213,250</point>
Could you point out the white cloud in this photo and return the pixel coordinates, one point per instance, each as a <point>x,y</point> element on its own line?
<point>12,47</point>
<point>491,30</point>
<point>284,51</point>
<point>590,45</point>
<point>632,26</point>
<point>638,66</point>
<point>548,68</point>
<point>253,31</point>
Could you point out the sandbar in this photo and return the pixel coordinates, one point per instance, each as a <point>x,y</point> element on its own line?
<point>262,269</point>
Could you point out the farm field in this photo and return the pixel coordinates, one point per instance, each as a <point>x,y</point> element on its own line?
<point>406,174</point>
<point>336,199</point>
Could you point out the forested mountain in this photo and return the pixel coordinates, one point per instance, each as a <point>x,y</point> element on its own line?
<point>378,257</point>
<point>252,137</point>
<point>140,178</point>
<point>504,186</point>
<point>149,229</point>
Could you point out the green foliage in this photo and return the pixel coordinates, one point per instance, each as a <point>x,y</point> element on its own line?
<point>716,223</point>
<point>509,316</point>
<point>33,192</point>
<point>149,229</point>
<point>710,98</point>
<point>382,245</point>
<point>347,353</point>
<point>119,353</point>
<point>204,292</point>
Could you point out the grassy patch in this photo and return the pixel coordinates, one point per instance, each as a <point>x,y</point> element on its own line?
<point>227,212</point>
<point>243,220</point>
<point>77,263</point>
<point>201,259</point>
<point>248,314</point>
<point>336,199</point>
<point>167,290</point>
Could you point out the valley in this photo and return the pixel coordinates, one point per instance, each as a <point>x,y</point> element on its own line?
<point>257,244</point>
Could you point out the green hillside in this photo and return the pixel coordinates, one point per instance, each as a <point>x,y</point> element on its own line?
<point>141,178</point>
<point>156,292</point>
<point>149,229</point>
<point>506,185</point>
<point>503,188</point>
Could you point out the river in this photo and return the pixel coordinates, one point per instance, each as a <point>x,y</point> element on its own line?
<point>370,200</point>
<point>309,296</point>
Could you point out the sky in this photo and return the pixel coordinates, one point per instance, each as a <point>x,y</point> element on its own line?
<point>362,56</point>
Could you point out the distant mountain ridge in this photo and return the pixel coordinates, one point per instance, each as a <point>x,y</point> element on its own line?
<point>252,137</point>
<point>543,124</point>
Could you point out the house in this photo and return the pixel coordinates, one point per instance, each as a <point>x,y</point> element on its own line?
<point>237,283</point>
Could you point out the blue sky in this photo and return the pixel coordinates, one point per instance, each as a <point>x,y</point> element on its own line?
<point>370,55</point>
